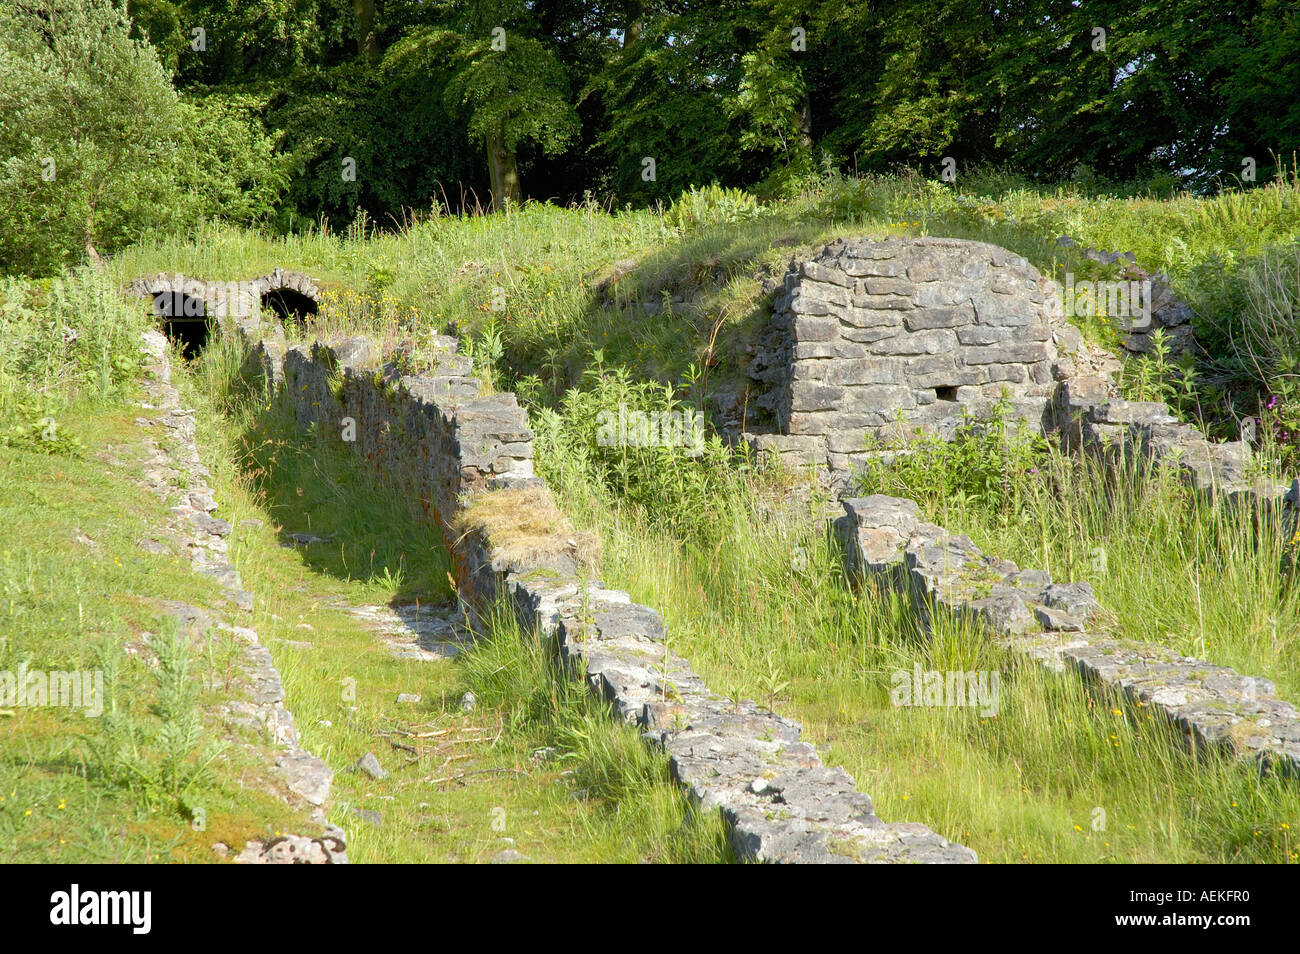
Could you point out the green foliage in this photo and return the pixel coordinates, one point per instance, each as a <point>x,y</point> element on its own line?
<point>699,207</point>
<point>1157,377</point>
<point>989,464</point>
<point>673,483</point>
<point>98,147</point>
<point>161,758</point>
<point>64,338</point>
<point>486,350</point>
<point>43,435</point>
<point>229,167</point>
<point>680,76</point>
<point>90,133</point>
<point>517,94</point>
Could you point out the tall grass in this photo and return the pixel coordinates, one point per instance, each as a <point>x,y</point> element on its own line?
<point>757,601</point>
<point>749,583</point>
<point>65,339</point>
<point>1208,579</point>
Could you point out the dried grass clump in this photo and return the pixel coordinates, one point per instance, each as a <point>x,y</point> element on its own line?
<point>524,527</point>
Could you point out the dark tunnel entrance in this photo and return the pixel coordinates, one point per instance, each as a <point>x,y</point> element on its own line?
<point>184,321</point>
<point>289,306</point>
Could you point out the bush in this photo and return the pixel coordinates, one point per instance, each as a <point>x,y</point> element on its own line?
<point>701,206</point>
<point>98,147</point>
<point>592,441</point>
<point>990,465</point>
<point>89,135</point>
<point>63,338</point>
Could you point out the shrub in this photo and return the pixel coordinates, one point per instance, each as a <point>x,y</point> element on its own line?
<point>990,465</point>
<point>89,135</point>
<point>64,338</point>
<point>97,147</point>
<point>701,206</point>
<point>590,441</point>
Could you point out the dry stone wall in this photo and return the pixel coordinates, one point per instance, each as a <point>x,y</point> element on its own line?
<point>449,450</point>
<point>873,340</point>
<point>258,706</point>
<point>433,436</point>
<point>1057,625</point>
<point>1090,419</point>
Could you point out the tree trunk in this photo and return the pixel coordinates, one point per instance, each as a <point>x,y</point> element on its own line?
<point>503,171</point>
<point>804,119</point>
<point>367,42</point>
<point>92,255</point>
<point>633,22</point>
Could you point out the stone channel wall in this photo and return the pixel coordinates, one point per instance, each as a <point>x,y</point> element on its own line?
<point>1057,625</point>
<point>1091,419</point>
<point>453,453</point>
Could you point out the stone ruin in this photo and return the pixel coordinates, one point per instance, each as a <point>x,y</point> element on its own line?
<point>185,305</point>
<point>868,338</point>
<point>1168,314</point>
<point>871,342</point>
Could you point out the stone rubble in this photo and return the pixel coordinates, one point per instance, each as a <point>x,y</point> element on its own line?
<point>885,539</point>
<point>1089,417</point>
<point>422,633</point>
<point>1169,314</point>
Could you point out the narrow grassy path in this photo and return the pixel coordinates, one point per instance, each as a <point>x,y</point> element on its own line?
<point>536,771</point>
<point>536,768</point>
<point>80,594</point>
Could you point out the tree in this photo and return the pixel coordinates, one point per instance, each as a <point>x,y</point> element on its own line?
<point>89,128</point>
<point>669,96</point>
<point>506,86</point>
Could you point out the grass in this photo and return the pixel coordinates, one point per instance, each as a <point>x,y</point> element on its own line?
<point>538,277</point>
<point>759,602</point>
<point>1209,580</point>
<point>78,594</point>
<point>461,783</point>
<point>575,308</point>
<point>525,525</point>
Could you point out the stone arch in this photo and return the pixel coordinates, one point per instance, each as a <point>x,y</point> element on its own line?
<point>288,305</point>
<point>182,307</point>
<point>231,306</point>
<point>287,297</point>
<point>184,320</point>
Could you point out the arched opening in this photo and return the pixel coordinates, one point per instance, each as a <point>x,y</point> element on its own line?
<point>289,306</point>
<point>184,321</point>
